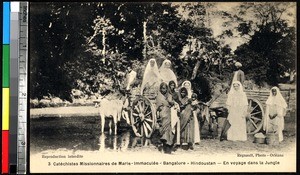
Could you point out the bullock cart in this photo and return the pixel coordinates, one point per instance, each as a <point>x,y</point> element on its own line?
<point>142,112</point>
<point>256,105</point>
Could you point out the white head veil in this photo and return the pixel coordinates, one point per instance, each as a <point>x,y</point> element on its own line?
<point>281,106</point>
<point>151,75</point>
<point>237,97</point>
<point>188,85</point>
<point>277,99</point>
<point>166,73</point>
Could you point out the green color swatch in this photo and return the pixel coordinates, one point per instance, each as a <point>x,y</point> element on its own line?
<point>5,75</point>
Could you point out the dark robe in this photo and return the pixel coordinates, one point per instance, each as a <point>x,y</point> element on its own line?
<point>186,121</point>
<point>164,107</point>
<point>175,96</point>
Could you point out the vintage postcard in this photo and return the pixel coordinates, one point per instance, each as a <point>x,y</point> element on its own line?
<point>162,87</point>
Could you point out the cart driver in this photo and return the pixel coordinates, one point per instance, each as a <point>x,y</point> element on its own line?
<point>130,77</point>
<point>238,74</point>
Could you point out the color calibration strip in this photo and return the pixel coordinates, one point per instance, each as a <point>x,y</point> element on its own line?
<point>5,87</point>
<point>14,87</point>
<point>14,73</point>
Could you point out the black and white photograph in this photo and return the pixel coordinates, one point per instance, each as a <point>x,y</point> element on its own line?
<point>162,87</point>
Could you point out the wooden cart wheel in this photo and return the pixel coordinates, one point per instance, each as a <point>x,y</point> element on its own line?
<point>143,117</point>
<point>255,116</point>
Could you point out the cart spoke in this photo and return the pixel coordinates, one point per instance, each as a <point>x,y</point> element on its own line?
<point>256,113</point>
<point>142,130</point>
<point>147,106</point>
<point>145,129</point>
<point>253,108</point>
<point>140,106</point>
<point>148,113</point>
<point>135,114</point>
<point>149,120</point>
<point>253,123</point>
<point>136,123</point>
<point>148,126</point>
<point>255,118</point>
<point>137,109</point>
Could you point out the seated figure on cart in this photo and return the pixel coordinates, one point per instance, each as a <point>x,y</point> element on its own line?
<point>151,78</point>
<point>141,103</point>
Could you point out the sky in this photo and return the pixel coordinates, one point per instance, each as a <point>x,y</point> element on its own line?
<point>232,8</point>
<point>216,20</point>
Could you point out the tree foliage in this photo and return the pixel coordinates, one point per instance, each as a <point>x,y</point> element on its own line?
<point>271,50</point>
<point>87,46</point>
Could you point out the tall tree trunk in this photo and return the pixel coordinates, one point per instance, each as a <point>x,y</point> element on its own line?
<point>103,42</point>
<point>195,70</point>
<point>145,39</point>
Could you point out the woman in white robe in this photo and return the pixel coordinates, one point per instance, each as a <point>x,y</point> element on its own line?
<point>237,104</point>
<point>188,85</point>
<point>151,78</point>
<point>166,73</point>
<point>275,112</point>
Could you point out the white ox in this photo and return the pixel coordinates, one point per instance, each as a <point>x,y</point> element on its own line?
<point>110,109</point>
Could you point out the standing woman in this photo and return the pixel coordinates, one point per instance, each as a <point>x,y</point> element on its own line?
<point>173,91</point>
<point>275,112</point>
<point>174,111</point>
<point>188,86</point>
<point>187,124</point>
<point>164,103</point>
<point>151,78</point>
<point>237,105</point>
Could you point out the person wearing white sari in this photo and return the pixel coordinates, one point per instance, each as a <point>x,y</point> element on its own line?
<point>151,78</point>
<point>187,84</point>
<point>166,73</point>
<point>275,112</point>
<point>237,105</point>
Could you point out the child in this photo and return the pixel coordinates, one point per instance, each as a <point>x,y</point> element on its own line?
<point>196,111</point>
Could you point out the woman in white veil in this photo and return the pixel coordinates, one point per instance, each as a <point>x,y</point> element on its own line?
<point>187,84</point>
<point>275,112</point>
<point>166,73</point>
<point>151,78</point>
<point>237,105</point>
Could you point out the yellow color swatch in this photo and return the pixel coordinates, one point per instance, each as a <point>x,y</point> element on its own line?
<point>5,109</point>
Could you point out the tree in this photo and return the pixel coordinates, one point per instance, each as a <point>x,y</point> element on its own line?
<point>207,51</point>
<point>56,36</point>
<point>272,44</point>
<point>87,46</point>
